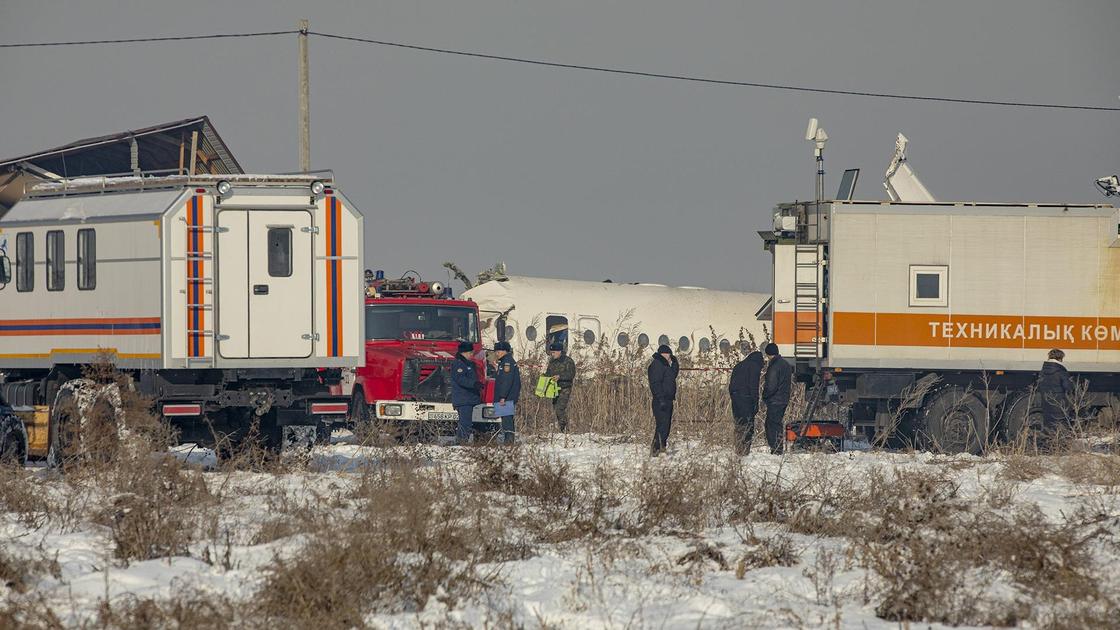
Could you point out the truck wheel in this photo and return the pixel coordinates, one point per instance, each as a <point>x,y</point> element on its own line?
<point>952,421</point>
<point>13,441</point>
<point>1022,418</point>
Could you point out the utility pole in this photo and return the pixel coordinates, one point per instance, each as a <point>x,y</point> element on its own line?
<point>304,101</point>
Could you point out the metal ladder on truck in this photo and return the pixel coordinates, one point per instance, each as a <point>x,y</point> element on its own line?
<point>205,283</point>
<point>807,318</point>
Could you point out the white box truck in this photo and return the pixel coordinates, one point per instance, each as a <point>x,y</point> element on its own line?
<point>223,298</point>
<point>967,298</point>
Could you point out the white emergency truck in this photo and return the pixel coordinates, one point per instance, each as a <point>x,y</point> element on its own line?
<point>932,319</point>
<point>224,298</point>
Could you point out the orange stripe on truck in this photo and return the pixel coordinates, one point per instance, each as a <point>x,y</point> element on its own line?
<point>967,331</point>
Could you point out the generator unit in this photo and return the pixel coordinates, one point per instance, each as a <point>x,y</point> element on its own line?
<point>932,319</point>
<point>223,298</point>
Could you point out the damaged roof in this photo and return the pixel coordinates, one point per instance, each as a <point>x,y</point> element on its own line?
<point>162,148</point>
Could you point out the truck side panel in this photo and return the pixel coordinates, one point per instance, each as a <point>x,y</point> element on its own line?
<point>114,312</point>
<point>339,281</point>
<point>1016,281</point>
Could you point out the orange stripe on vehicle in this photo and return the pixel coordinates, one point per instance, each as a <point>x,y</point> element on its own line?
<point>971,331</point>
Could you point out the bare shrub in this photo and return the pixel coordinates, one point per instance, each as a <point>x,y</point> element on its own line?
<point>20,494</point>
<point>414,537</point>
<point>775,551</point>
<point>203,611</point>
<point>18,573</point>
<point>153,511</point>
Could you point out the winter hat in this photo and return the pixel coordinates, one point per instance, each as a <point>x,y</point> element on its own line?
<point>465,346</point>
<point>503,345</point>
<point>664,349</point>
<point>771,349</point>
<point>1056,355</point>
<point>556,347</point>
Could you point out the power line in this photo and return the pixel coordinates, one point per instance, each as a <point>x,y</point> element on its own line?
<point>137,40</point>
<point>697,79</point>
<point>572,66</point>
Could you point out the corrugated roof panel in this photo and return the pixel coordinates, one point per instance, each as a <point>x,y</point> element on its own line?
<point>87,207</point>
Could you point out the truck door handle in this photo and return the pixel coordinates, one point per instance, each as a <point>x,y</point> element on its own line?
<point>260,289</point>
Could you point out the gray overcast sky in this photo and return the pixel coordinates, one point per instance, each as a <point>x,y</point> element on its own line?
<point>580,175</point>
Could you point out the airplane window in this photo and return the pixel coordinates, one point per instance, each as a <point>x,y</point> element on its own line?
<point>705,345</point>
<point>623,340</point>
<point>643,340</point>
<point>683,344</point>
<point>663,340</point>
<point>724,346</point>
<point>531,333</point>
<point>589,337</point>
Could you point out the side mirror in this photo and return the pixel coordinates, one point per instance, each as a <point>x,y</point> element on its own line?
<point>5,271</point>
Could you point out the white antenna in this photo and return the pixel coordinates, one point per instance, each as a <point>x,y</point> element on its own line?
<point>815,134</point>
<point>900,181</point>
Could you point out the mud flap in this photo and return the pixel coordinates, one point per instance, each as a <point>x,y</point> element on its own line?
<point>297,438</point>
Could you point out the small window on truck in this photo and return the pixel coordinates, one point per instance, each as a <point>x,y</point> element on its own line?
<point>25,262</point>
<point>87,260</point>
<point>929,285</point>
<point>56,260</point>
<point>280,252</point>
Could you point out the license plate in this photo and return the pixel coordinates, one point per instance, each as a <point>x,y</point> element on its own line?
<point>442,415</point>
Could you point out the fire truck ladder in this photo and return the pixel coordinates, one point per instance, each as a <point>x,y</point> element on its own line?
<point>206,280</point>
<point>806,302</point>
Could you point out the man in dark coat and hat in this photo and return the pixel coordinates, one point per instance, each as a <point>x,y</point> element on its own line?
<point>775,393</point>
<point>507,385</point>
<point>562,368</point>
<point>663,370</point>
<point>744,388</point>
<point>466,391</point>
<point>1053,389</point>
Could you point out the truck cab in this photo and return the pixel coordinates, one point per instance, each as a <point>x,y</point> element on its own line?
<point>412,332</point>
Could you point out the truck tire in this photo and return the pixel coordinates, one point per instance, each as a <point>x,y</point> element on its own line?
<point>952,420</point>
<point>1022,418</point>
<point>13,441</point>
<point>85,422</point>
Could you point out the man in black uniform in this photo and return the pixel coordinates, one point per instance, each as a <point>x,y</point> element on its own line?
<point>775,393</point>
<point>1054,388</point>
<point>746,378</point>
<point>507,385</point>
<point>466,391</point>
<point>562,369</point>
<point>663,370</point>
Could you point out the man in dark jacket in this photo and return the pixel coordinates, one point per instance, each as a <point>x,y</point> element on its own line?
<point>562,368</point>
<point>466,390</point>
<point>775,394</point>
<point>663,370</point>
<point>507,385</point>
<point>1053,389</point>
<point>746,378</point>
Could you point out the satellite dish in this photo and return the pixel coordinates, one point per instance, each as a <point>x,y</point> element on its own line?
<point>811,132</point>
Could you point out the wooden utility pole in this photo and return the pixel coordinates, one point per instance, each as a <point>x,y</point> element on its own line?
<point>304,101</point>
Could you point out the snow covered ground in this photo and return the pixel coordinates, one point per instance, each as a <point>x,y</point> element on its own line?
<point>791,557</point>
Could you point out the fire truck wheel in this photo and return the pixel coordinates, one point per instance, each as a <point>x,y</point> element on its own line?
<point>1022,418</point>
<point>952,421</point>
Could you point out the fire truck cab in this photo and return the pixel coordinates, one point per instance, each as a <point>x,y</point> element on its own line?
<point>413,329</point>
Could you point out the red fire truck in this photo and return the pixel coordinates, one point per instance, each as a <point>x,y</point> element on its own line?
<point>413,329</point>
